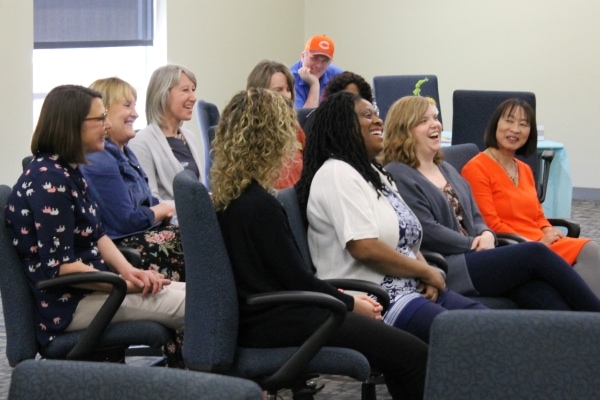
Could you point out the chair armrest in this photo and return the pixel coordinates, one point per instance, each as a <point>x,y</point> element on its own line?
<point>296,364</point>
<point>363,286</point>
<point>573,228</point>
<point>132,255</point>
<point>88,340</point>
<point>435,258</point>
<point>509,238</point>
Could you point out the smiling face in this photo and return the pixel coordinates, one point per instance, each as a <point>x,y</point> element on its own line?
<point>182,98</point>
<point>427,134</point>
<point>371,127</point>
<point>94,128</point>
<point>315,62</point>
<point>513,130</point>
<point>278,83</point>
<point>122,115</point>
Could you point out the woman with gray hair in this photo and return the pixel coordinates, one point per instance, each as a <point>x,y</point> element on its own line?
<point>164,147</point>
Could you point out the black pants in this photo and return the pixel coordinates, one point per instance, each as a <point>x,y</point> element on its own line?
<point>400,356</point>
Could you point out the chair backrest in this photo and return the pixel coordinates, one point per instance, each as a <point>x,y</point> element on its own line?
<point>288,198</point>
<point>459,154</point>
<point>211,311</point>
<point>25,161</point>
<point>17,302</point>
<point>58,380</point>
<point>303,114</point>
<point>389,88</point>
<point>508,354</point>
<point>472,110</point>
<point>208,116</point>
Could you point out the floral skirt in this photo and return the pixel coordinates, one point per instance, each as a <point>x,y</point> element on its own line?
<point>160,249</point>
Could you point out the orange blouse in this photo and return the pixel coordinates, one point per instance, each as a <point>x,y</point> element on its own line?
<point>513,209</point>
<point>290,174</point>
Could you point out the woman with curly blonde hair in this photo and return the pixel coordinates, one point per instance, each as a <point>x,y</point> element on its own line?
<point>242,154</point>
<point>255,135</point>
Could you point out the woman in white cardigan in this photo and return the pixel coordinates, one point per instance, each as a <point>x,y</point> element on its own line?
<point>164,148</point>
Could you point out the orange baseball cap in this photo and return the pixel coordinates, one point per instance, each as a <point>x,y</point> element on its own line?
<point>320,44</point>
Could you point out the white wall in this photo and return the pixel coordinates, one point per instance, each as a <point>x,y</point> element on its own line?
<point>545,46</point>
<point>16,86</point>
<point>549,47</point>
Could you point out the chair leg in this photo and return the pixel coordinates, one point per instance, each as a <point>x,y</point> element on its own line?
<point>368,390</point>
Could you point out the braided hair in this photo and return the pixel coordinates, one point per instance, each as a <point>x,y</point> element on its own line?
<point>335,133</point>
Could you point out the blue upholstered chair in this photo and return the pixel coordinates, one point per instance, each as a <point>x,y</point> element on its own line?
<point>303,117</point>
<point>208,116</point>
<point>389,88</point>
<point>80,380</point>
<point>211,314</point>
<point>101,341</point>
<point>514,354</point>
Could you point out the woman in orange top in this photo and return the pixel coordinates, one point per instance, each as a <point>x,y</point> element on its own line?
<point>505,189</point>
<point>277,77</point>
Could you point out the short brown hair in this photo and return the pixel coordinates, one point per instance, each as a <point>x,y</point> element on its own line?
<point>505,108</point>
<point>58,129</point>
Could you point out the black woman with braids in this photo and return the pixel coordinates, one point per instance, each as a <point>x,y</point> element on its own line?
<point>256,133</point>
<point>359,225</point>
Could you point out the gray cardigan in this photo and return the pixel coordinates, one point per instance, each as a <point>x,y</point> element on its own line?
<point>441,231</point>
<point>156,158</point>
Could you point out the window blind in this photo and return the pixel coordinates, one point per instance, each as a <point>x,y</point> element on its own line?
<point>92,23</point>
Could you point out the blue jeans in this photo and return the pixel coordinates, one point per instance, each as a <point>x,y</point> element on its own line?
<point>532,275</point>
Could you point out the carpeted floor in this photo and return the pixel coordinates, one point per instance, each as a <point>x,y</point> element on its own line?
<point>587,213</point>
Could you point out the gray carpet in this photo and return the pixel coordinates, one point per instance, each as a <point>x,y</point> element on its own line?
<point>587,213</point>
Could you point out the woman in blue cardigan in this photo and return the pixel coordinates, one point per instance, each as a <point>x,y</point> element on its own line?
<point>130,214</point>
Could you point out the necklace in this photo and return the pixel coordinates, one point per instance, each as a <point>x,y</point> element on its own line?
<point>180,136</point>
<point>514,178</point>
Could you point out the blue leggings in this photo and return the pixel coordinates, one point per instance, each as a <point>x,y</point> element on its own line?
<point>532,275</point>
<point>417,316</point>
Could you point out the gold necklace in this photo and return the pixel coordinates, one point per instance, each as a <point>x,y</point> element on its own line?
<point>514,178</point>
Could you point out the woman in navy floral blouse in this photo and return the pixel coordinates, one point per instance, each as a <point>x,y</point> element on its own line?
<point>56,230</point>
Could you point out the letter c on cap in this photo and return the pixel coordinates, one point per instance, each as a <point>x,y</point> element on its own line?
<point>324,44</point>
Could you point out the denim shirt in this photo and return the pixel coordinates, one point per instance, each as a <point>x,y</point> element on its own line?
<point>120,187</point>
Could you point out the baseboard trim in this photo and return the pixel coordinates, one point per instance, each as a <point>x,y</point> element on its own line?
<point>586,194</point>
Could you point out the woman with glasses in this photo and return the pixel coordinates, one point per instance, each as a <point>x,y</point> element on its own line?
<point>130,214</point>
<point>56,230</point>
<point>164,148</point>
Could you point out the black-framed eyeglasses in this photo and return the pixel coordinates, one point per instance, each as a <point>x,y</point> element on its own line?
<point>100,119</point>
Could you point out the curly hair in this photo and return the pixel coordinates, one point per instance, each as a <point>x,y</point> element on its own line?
<point>340,81</point>
<point>255,135</point>
<point>399,141</point>
<point>336,133</point>
<point>261,74</point>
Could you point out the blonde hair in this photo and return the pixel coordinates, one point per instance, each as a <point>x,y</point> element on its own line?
<point>255,135</point>
<point>399,141</point>
<point>113,89</point>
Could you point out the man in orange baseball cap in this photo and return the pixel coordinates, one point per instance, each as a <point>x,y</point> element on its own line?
<point>313,71</point>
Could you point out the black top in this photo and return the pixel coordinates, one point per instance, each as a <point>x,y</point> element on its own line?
<point>265,258</point>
